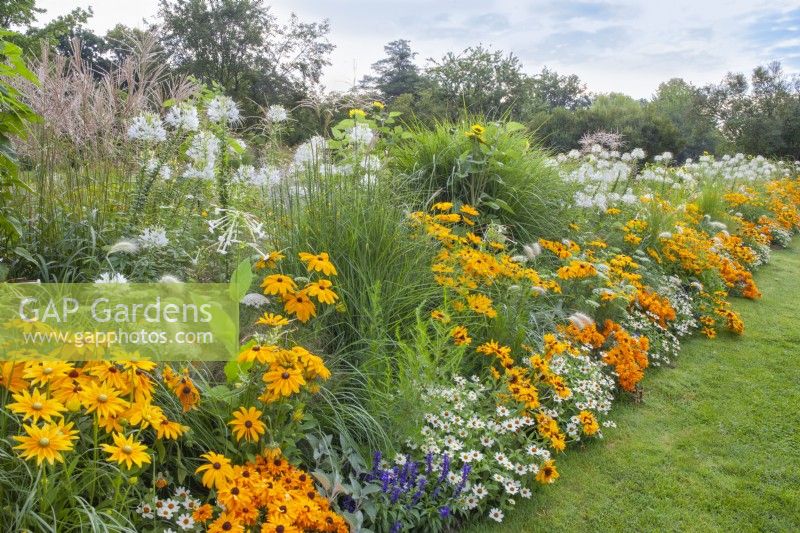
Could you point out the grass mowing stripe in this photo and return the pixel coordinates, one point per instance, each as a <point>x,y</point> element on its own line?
<point>715,446</point>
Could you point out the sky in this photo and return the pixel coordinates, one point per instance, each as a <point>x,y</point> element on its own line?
<point>617,45</point>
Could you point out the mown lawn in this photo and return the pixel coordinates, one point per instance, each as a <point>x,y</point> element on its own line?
<point>715,446</point>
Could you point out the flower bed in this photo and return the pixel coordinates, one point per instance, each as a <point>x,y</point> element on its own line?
<point>515,348</point>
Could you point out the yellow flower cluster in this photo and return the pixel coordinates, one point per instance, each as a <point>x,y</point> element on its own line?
<point>693,251</point>
<point>288,370</point>
<point>562,250</point>
<point>299,302</point>
<point>633,230</point>
<point>577,270</point>
<point>51,397</point>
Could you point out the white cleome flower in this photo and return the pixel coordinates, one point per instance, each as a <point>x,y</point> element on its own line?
<point>223,110</point>
<point>183,117</point>
<point>148,128</point>
<point>107,277</point>
<point>310,151</point>
<point>203,152</point>
<point>155,237</point>
<point>277,113</point>
<point>361,134</point>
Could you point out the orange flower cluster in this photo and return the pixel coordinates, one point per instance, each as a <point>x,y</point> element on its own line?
<point>656,306</point>
<point>736,276</point>
<point>628,356</point>
<point>736,248</point>
<point>183,387</point>
<point>587,335</point>
<point>268,493</point>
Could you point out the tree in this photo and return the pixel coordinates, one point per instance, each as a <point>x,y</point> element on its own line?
<point>478,81</point>
<point>551,90</point>
<point>682,104</point>
<point>241,45</point>
<point>760,116</point>
<point>58,33</point>
<point>18,13</point>
<point>640,125</point>
<point>395,74</point>
<point>121,41</point>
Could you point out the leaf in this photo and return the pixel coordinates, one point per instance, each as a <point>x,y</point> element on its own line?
<point>503,205</point>
<point>241,280</point>
<point>323,480</point>
<point>25,254</point>
<point>233,369</point>
<point>235,145</point>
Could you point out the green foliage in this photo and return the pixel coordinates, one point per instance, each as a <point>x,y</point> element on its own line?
<point>18,12</point>
<point>396,74</point>
<point>14,116</point>
<point>682,104</point>
<point>550,90</point>
<point>478,81</point>
<point>364,230</point>
<point>241,45</point>
<point>505,176</point>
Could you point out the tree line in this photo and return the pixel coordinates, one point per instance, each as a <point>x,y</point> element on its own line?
<point>242,47</point>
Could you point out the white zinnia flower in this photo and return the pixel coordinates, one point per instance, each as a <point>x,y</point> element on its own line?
<point>496,514</point>
<point>185,522</point>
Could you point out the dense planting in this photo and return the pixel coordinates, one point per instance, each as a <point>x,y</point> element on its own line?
<point>431,317</point>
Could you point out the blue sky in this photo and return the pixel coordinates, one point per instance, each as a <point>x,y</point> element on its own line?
<point>629,46</point>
